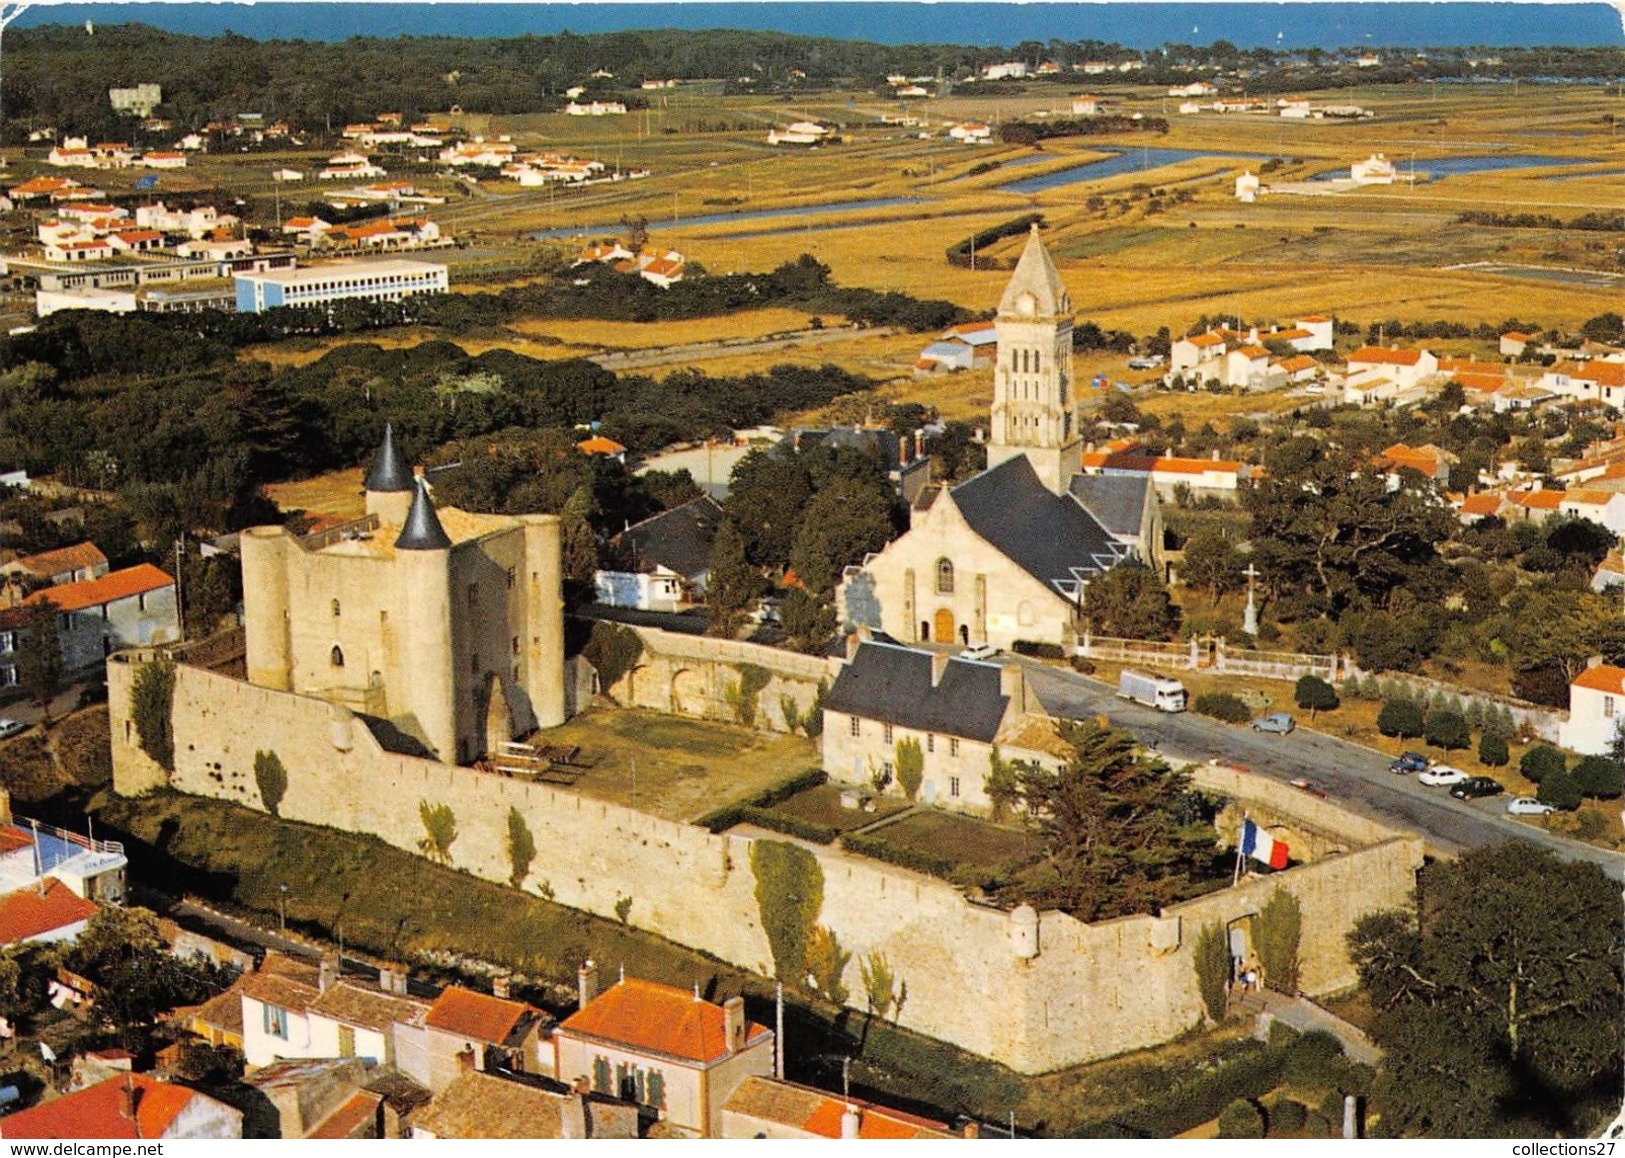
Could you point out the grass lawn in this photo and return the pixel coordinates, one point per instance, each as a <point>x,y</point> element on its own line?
<point>964,838</point>
<point>822,805</point>
<point>337,493</point>
<point>684,768</point>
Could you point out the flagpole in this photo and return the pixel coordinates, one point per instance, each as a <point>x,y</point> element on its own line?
<point>1241,836</point>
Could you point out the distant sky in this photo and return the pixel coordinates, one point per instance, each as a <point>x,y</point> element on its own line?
<point>1293,25</point>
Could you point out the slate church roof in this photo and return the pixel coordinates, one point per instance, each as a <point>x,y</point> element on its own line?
<point>1116,501</point>
<point>1053,539</point>
<point>893,684</point>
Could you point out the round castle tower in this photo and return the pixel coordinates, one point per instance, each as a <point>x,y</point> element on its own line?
<point>389,482</point>
<point>423,568</point>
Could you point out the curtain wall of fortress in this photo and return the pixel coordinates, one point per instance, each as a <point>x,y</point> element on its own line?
<point>1090,991</point>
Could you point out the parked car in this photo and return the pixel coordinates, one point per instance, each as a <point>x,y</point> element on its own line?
<point>1280,723</point>
<point>1148,362</point>
<point>1409,762</point>
<point>10,728</point>
<point>980,651</point>
<point>1440,776</point>
<point>1476,786</point>
<point>1528,806</point>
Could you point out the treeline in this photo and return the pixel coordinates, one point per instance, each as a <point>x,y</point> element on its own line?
<point>1031,132</point>
<point>961,252</point>
<point>1589,222</point>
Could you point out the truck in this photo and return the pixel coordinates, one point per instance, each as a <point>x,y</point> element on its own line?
<point>1158,692</point>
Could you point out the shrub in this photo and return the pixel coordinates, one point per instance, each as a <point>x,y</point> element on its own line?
<point>1540,762</point>
<point>613,651</point>
<point>152,699</point>
<point>1598,777</point>
<point>813,722</point>
<point>521,848</point>
<point>1560,790</point>
<point>1241,1119</point>
<point>439,831</point>
<point>910,766</point>
<point>1448,729</point>
<point>910,858</point>
<point>1278,931</point>
<point>1492,751</point>
<point>1498,722</point>
<point>271,778</point>
<point>1212,961</point>
<point>789,897</point>
<point>1321,1126</point>
<point>623,908</point>
<point>827,961</point>
<point>1314,1062</point>
<point>1314,694</point>
<point>880,985</point>
<point>1224,706</point>
<point>1287,1117</point>
<point>791,711</point>
<point>1191,1102</point>
<point>1038,650</point>
<point>1400,718</point>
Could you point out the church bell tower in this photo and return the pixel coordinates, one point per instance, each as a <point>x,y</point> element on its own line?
<point>1034,402</point>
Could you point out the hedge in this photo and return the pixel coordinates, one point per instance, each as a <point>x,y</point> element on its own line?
<point>1038,650</point>
<point>1200,1099</point>
<point>909,858</point>
<point>724,818</point>
<point>1224,706</point>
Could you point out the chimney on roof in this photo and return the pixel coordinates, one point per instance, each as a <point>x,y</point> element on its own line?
<point>1215,454</point>
<point>902,452</point>
<point>1593,661</point>
<point>919,444</point>
<point>586,982</point>
<point>851,1122</point>
<point>129,1098</point>
<point>5,806</point>
<point>502,986</point>
<point>939,665</point>
<point>733,1020</point>
<point>973,1129</point>
<point>465,1060</point>
<point>1013,683</point>
<point>696,991</point>
<point>327,972</point>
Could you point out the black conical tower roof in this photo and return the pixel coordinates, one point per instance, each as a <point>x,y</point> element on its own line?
<point>422,531</point>
<point>389,471</point>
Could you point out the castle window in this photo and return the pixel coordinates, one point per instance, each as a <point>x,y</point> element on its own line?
<point>516,645</point>
<point>335,609</point>
<point>930,743</point>
<point>953,745</point>
<point>510,578</point>
<point>945,577</point>
<point>337,656</point>
<point>383,618</point>
<point>886,733</point>
<point>854,725</point>
<point>953,786</point>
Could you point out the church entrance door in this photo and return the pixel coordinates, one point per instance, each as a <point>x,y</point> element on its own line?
<point>943,629</point>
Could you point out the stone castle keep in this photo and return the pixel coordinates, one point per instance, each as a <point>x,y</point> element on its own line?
<point>447,624</point>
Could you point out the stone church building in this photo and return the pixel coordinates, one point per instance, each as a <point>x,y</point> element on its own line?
<point>443,625</point>
<point>1008,555</point>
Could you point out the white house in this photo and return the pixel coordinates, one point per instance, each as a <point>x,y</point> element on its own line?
<point>1010,70</point>
<point>1596,706</point>
<point>1405,368</point>
<point>971,133</point>
<point>1086,106</point>
<point>1247,187</point>
<point>1374,170</point>
<point>1595,381</point>
<point>1606,508</point>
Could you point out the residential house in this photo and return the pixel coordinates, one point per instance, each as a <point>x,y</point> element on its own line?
<point>1605,508</point>
<point>799,133</point>
<point>1374,170</point>
<point>971,133</point>
<point>1429,460</point>
<point>1294,108</point>
<point>598,446</point>
<point>46,187</point>
<point>314,1098</point>
<point>46,913</point>
<point>1200,88</point>
<point>482,1105</point>
<point>1596,706</point>
<point>968,346</point>
<point>32,853</point>
<point>307,230</point>
<point>350,167</point>
<point>1406,368</point>
<point>77,251</point>
<point>666,1049</point>
<point>1596,380</point>
<point>127,1106</point>
<point>135,240</point>
<point>1488,505</point>
<point>1009,70</point>
<point>665,559</point>
<point>1534,506</point>
<point>495,1033</point>
<point>1610,573</point>
<point>64,565</point>
<point>134,607</point>
<point>956,710</point>
<point>765,1107</point>
<point>71,157</point>
<point>165,160</point>
<point>1214,477</point>
<point>1514,343</point>
<point>1086,106</point>
<point>596,109</point>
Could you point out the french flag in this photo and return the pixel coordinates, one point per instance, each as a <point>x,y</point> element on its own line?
<point>1261,846</point>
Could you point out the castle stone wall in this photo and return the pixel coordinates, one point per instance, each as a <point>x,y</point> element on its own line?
<point>689,675</point>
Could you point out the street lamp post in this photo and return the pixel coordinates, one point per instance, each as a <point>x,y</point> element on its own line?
<point>282,906</point>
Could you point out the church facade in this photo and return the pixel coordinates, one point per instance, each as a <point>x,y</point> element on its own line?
<point>444,625</point>
<point>1008,555</point>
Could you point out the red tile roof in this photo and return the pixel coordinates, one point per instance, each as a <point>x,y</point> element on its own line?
<point>1312,319</point>
<point>123,584</point>
<point>1385,356</point>
<point>1602,373</point>
<point>477,1016</point>
<point>13,838</point>
<point>1602,678</point>
<point>25,913</point>
<point>661,1019</point>
<point>1541,500</point>
<point>598,444</point>
<point>64,559</point>
<point>1481,505</point>
<point>819,1113</point>
<point>344,1121</point>
<point>98,1111</point>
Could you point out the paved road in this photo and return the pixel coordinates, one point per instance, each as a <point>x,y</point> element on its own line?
<point>1354,776</point>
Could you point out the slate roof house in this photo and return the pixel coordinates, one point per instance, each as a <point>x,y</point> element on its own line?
<point>957,710</point>
<point>665,560</point>
<point>480,1105</point>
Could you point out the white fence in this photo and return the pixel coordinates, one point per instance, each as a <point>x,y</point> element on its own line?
<point>1211,653</point>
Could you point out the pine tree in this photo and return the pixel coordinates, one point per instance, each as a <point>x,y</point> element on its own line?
<point>39,655</point>
<point>732,583</point>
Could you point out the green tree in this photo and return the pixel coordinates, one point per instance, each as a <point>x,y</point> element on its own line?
<point>1492,751</point>
<point>1540,762</point>
<point>826,962</point>
<point>1002,785</point>
<point>1498,1005</point>
<point>732,583</point>
<point>1130,602</point>
<point>1560,789</point>
<point>767,493</point>
<point>271,778</point>
<point>1314,695</point>
<point>39,654</point>
<point>813,722</point>
<point>880,989</point>
<point>789,897</point>
<point>1448,730</point>
<point>1598,777</point>
<point>1212,961</point>
<point>152,697</point>
<point>910,765</point>
<point>439,831</point>
<point>1546,624</point>
<point>521,848</point>
<point>808,619</point>
<point>1115,828</point>
<point>614,651</point>
<point>840,525</point>
<point>1400,718</point>
<point>1211,564</point>
<point>1278,932</point>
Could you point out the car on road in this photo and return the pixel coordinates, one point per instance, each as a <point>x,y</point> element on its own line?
<point>1528,806</point>
<point>980,651</point>
<point>1441,776</point>
<point>1476,786</point>
<point>1409,762</point>
<point>1280,723</point>
<point>1149,362</point>
<point>10,728</point>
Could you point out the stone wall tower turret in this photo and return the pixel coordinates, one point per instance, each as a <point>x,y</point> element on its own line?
<point>423,562</point>
<point>389,482</point>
